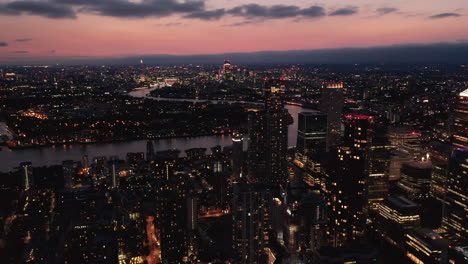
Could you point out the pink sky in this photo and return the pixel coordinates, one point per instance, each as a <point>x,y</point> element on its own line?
<point>96,35</point>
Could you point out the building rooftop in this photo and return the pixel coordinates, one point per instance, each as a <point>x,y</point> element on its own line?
<point>401,202</point>
<point>464,93</point>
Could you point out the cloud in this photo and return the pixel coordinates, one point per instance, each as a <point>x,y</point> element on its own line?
<point>243,23</point>
<point>313,11</point>
<point>20,52</point>
<point>276,11</point>
<point>3,44</point>
<point>51,51</point>
<point>23,40</point>
<point>444,15</point>
<point>347,11</point>
<point>194,9</point>
<point>170,24</point>
<point>147,8</point>
<point>45,9</point>
<point>386,10</point>
<point>207,15</point>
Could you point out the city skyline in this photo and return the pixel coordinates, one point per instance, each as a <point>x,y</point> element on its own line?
<point>77,30</point>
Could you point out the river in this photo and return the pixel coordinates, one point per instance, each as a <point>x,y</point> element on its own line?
<point>52,155</point>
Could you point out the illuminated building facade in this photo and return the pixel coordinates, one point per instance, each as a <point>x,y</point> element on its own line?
<point>331,103</point>
<point>395,215</point>
<point>379,169</point>
<point>415,179</point>
<point>439,154</point>
<point>423,246</point>
<point>347,186</point>
<point>455,218</point>
<point>400,210</point>
<point>268,139</point>
<point>311,136</point>
<point>251,222</point>
<point>460,121</point>
<point>172,207</point>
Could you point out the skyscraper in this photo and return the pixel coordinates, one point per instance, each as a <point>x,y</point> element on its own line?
<point>455,218</point>
<point>68,167</point>
<point>311,135</point>
<point>394,216</point>
<point>460,121</point>
<point>416,179</point>
<point>347,186</point>
<point>237,156</point>
<point>172,206</point>
<point>149,150</point>
<point>268,138</point>
<point>331,103</point>
<point>251,221</point>
<point>439,154</point>
<point>425,246</point>
<point>379,168</point>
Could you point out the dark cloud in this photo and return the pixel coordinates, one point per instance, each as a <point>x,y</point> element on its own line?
<point>313,11</point>
<point>23,40</point>
<point>161,8</point>
<point>347,11</point>
<point>3,44</point>
<point>242,23</point>
<point>147,8</point>
<point>275,11</point>
<point>444,15</point>
<point>20,51</point>
<point>45,9</point>
<point>386,10</point>
<point>207,15</point>
<point>51,51</point>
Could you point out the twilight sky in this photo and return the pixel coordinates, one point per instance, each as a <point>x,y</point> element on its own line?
<point>36,29</point>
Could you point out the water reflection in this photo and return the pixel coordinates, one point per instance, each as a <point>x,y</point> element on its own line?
<point>51,155</point>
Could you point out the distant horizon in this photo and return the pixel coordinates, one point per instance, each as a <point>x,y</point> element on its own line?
<point>412,53</point>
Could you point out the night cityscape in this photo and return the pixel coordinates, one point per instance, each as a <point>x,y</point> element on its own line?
<point>292,148</point>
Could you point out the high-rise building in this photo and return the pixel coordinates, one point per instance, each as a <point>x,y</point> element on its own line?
<point>251,221</point>
<point>68,169</point>
<point>27,179</point>
<point>460,121</point>
<point>379,169</point>
<point>114,176</point>
<point>425,246</point>
<point>173,214</point>
<point>312,214</point>
<point>415,179</point>
<point>394,216</point>
<point>149,150</point>
<point>455,218</point>
<point>311,135</point>
<point>237,156</point>
<point>268,139</point>
<point>85,161</point>
<point>438,154</point>
<point>331,103</point>
<point>347,184</point>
